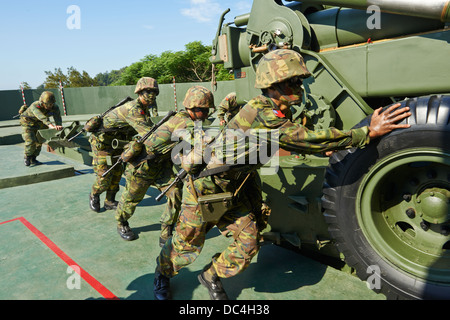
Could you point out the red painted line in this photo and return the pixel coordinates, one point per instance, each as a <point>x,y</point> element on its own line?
<point>5,222</point>
<point>63,256</point>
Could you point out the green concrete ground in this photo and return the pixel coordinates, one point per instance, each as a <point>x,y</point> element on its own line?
<point>55,217</point>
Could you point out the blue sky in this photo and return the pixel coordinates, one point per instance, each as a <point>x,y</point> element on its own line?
<point>35,36</point>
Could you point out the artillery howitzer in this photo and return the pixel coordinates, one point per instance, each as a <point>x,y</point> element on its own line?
<point>383,209</point>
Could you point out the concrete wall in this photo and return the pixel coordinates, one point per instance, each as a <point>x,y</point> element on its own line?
<point>95,100</point>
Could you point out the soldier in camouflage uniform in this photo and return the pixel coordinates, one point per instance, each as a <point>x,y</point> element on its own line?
<point>34,118</point>
<point>227,108</point>
<point>121,123</point>
<point>157,169</point>
<point>279,75</point>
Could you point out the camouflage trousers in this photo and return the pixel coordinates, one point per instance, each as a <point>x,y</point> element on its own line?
<point>139,179</point>
<point>32,145</point>
<point>239,223</point>
<point>102,155</point>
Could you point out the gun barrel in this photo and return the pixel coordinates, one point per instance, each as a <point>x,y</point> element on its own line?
<point>119,144</point>
<point>180,176</point>
<point>112,167</point>
<point>148,134</point>
<point>431,9</point>
<point>69,140</point>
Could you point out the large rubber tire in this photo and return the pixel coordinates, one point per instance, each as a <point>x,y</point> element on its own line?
<point>387,205</point>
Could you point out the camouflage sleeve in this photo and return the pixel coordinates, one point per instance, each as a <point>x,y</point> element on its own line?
<point>37,113</point>
<point>295,137</point>
<point>226,105</point>
<point>57,115</point>
<point>168,135</point>
<point>222,109</point>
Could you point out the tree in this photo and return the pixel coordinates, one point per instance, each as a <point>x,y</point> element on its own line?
<point>77,79</point>
<point>53,79</point>
<point>25,85</point>
<point>191,65</point>
<point>73,79</point>
<point>197,64</point>
<point>130,75</point>
<point>107,78</point>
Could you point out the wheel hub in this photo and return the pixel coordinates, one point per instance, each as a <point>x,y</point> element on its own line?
<point>433,205</point>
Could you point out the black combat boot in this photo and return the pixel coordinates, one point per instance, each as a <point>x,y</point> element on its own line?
<point>125,231</point>
<point>34,161</point>
<point>94,202</point>
<point>27,161</point>
<point>213,284</point>
<point>161,287</point>
<point>110,201</point>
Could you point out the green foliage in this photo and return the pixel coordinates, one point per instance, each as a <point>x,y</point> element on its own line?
<point>73,79</point>
<point>107,78</point>
<point>190,65</point>
<point>25,85</point>
<point>53,79</point>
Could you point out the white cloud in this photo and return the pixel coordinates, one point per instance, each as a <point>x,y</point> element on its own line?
<point>203,10</point>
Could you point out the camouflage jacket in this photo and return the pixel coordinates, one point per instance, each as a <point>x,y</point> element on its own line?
<point>128,119</point>
<point>36,115</point>
<point>163,140</point>
<point>228,108</point>
<point>259,126</point>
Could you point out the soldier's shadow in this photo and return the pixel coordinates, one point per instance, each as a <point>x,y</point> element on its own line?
<point>181,287</point>
<point>148,228</point>
<point>275,270</point>
<point>53,163</point>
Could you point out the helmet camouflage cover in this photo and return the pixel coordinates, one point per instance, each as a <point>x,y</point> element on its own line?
<point>278,66</point>
<point>198,97</point>
<point>47,97</point>
<point>146,83</point>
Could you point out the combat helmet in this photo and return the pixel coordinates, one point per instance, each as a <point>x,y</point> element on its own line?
<point>278,66</point>
<point>47,98</point>
<point>198,97</point>
<point>146,83</point>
